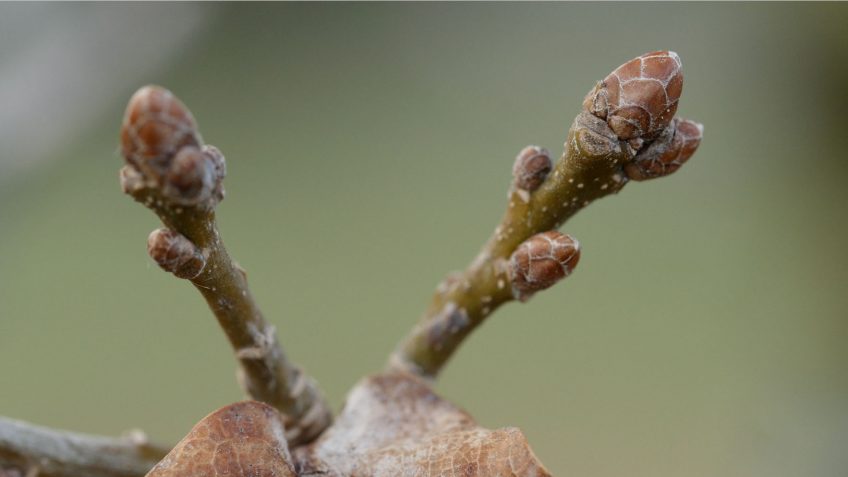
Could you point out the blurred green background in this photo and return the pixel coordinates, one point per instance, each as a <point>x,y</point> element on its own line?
<point>369,151</point>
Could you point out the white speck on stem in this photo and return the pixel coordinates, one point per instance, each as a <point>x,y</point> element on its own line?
<point>523,194</point>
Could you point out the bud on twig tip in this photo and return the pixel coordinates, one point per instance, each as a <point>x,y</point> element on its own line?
<point>541,261</point>
<point>639,98</point>
<point>156,125</point>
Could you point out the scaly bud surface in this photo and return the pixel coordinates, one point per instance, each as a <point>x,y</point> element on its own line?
<point>156,125</point>
<point>639,98</point>
<point>541,261</point>
<point>175,253</point>
<point>164,152</point>
<point>531,167</point>
<point>668,152</point>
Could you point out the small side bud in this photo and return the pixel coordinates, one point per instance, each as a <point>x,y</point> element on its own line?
<point>639,98</point>
<point>194,177</point>
<point>668,152</point>
<point>219,165</point>
<point>531,167</point>
<point>191,178</point>
<point>593,138</point>
<point>541,261</point>
<point>175,253</point>
<point>156,125</point>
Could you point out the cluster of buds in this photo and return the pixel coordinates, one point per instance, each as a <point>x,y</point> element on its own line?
<point>164,151</point>
<point>638,101</point>
<point>627,130</point>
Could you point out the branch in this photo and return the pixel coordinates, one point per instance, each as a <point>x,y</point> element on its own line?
<point>170,171</point>
<point>626,131</point>
<point>35,450</point>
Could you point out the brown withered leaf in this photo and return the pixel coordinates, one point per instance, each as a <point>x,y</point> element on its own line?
<point>242,439</point>
<point>392,425</point>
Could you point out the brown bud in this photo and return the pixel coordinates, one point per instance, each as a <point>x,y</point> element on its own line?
<point>219,166</point>
<point>594,138</point>
<point>639,98</point>
<point>531,167</point>
<point>668,152</point>
<point>191,177</point>
<point>175,253</point>
<point>541,261</point>
<point>156,125</point>
<point>217,159</point>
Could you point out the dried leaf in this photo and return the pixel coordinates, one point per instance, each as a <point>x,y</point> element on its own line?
<point>242,439</point>
<point>394,425</point>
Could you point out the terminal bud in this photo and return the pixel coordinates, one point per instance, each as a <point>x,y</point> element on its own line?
<point>156,125</point>
<point>639,98</point>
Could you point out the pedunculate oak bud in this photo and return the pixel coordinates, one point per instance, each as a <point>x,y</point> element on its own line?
<point>639,99</point>
<point>175,253</point>
<point>531,167</point>
<point>541,261</point>
<point>668,152</point>
<point>156,125</point>
<point>191,177</point>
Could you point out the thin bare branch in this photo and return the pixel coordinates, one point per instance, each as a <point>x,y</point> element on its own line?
<point>36,450</point>
<point>170,171</point>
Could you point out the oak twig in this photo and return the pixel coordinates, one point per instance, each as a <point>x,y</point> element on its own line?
<point>170,171</point>
<point>626,131</point>
<point>36,450</point>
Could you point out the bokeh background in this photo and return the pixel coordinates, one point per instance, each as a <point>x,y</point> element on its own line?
<point>369,149</point>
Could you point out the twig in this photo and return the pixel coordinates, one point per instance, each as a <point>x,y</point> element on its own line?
<point>626,131</point>
<point>34,449</point>
<point>172,173</point>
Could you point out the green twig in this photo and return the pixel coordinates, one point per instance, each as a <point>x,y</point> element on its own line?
<point>625,132</point>
<point>172,173</point>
